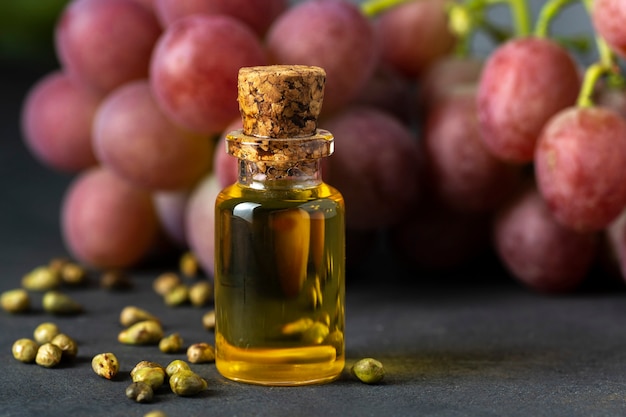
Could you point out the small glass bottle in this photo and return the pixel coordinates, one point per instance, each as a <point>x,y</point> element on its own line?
<point>280,240</point>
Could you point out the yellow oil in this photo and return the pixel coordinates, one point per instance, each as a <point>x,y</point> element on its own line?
<point>279,285</point>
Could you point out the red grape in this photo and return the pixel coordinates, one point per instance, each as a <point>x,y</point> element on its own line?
<point>106,222</point>
<point>524,83</point>
<point>537,250</point>
<point>616,246</point>
<point>580,165</point>
<point>258,14</point>
<point>415,34</point>
<point>444,76</point>
<point>106,43</point>
<point>170,209</point>
<point>136,140</point>
<point>389,91</point>
<point>149,4</point>
<point>374,166</point>
<point>56,122</point>
<point>226,166</point>
<point>200,222</point>
<point>194,70</point>
<point>332,34</point>
<point>462,173</point>
<point>608,18</point>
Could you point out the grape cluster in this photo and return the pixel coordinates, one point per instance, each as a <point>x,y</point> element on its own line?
<point>450,154</point>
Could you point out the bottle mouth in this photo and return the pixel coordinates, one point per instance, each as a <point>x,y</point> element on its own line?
<point>280,150</point>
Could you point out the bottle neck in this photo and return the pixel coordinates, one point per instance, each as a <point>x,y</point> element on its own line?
<point>280,163</point>
<point>280,176</point>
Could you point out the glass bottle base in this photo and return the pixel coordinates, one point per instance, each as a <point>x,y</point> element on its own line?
<point>280,367</point>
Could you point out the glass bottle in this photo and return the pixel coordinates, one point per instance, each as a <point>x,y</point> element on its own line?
<point>280,248</point>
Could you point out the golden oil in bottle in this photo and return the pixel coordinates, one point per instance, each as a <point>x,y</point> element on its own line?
<point>280,249</point>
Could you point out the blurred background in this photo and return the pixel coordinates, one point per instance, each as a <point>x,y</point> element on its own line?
<point>30,194</point>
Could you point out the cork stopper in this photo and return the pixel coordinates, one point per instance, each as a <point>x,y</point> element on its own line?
<point>280,101</point>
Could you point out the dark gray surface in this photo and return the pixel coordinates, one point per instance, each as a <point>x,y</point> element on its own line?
<point>476,344</point>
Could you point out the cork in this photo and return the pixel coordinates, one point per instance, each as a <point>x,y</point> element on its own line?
<point>280,101</point>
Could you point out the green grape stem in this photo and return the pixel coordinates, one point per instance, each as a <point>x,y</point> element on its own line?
<point>372,8</point>
<point>592,75</point>
<point>548,12</point>
<point>521,17</point>
<point>606,66</point>
<point>606,56</point>
<point>520,13</point>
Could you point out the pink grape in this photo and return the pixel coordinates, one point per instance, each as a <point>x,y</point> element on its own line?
<point>149,4</point>
<point>375,167</point>
<point>258,14</point>
<point>414,35</point>
<point>462,173</point>
<point>194,70</point>
<point>200,222</point>
<point>615,235</point>
<point>537,250</point>
<point>106,43</point>
<point>226,166</point>
<point>332,34</point>
<point>524,83</point>
<point>57,114</point>
<point>170,208</point>
<point>389,91</point>
<point>137,141</point>
<point>580,166</point>
<point>106,222</point>
<point>444,76</point>
<point>608,18</point>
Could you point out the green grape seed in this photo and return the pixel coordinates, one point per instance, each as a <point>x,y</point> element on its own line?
<point>25,350</point>
<point>368,370</point>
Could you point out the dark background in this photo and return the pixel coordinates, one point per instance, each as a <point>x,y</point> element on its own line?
<point>471,343</point>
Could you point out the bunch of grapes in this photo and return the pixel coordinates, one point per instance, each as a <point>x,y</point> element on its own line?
<point>539,110</point>
<point>146,92</point>
<point>449,153</point>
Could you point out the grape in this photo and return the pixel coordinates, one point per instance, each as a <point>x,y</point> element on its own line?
<point>200,222</point>
<point>615,235</point>
<point>226,166</point>
<point>437,238</point>
<point>462,172</point>
<point>580,167</point>
<point>332,34</point>
<point>374,166</point>
<point>258,14</point>
<point>414,35</point>
<point>56,122</point>
<point>106,43</point>
<point>537,250</point>
<point>194,70</point>
<point>137,141</point>
<point>444,76</point>
<point>170,209</point>
<point>608,18</point>
<point>148,4</point>
<point>524,83</point>
<point>388,91</point>
<point>106,222</point>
